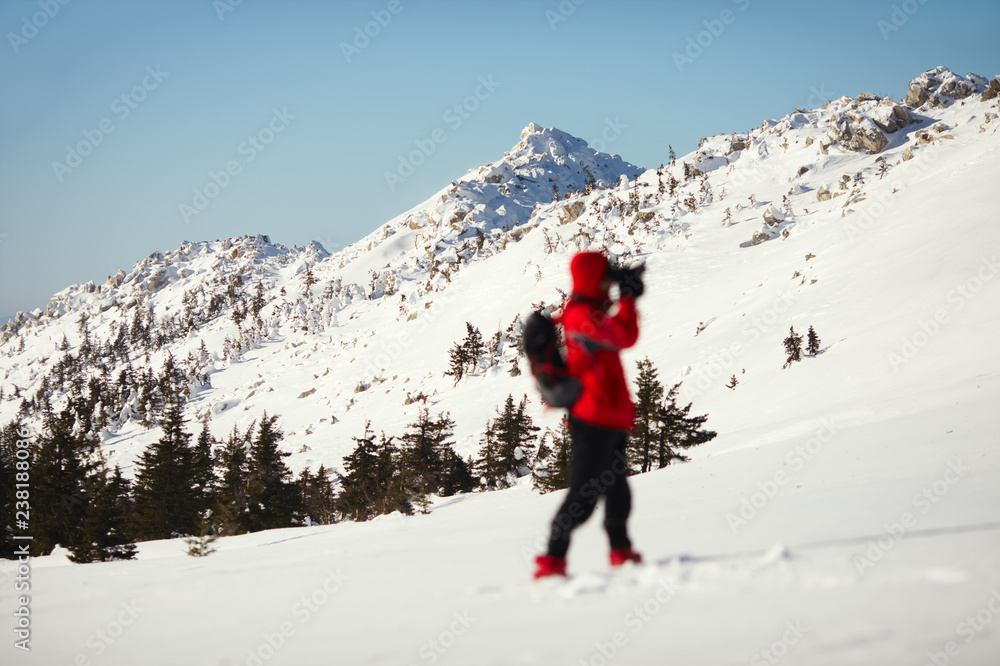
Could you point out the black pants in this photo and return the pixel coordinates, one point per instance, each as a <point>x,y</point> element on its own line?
<point>599,468</point>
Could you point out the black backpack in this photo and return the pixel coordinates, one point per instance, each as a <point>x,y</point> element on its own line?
<point>540,344</point>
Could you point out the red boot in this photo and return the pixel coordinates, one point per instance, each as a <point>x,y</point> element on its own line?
<point>623,555</point>
<point>546,565</point>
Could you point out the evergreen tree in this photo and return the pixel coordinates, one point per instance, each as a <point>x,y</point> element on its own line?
<point>106,534</point>
<point>793,347</point>
<point>677,429</point>
<point>319,501</point>
<point>13,470</point>
<point>424,447</point>
<point>473,346</point>
<point>644,434</point>
<point>487,466</point>
<point>272,498</point>
<point>552,471</point>
<point>202,542</point>
<point>165,505</point>
<point>812,347</point>
<point>309,281</point>
<point>456,474</point>
<point>393,490</point>
<point>457,362</point>
<point>231,509</point>
<point>59,487</point>
<point>374,483</point>
<point>506,452</point>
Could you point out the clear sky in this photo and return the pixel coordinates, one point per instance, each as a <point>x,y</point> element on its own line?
<point>119,119</point>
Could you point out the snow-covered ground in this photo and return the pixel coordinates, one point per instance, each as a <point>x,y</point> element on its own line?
<point>846,513</point>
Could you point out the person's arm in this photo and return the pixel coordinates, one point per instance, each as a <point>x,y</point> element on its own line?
<point>596,330</point>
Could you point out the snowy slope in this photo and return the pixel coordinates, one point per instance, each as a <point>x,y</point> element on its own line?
<point>846,513</point>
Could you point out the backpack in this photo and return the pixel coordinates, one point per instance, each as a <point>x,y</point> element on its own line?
<point>540,344</point>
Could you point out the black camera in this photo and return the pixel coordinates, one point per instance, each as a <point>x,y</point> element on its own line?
<point>629,280</point>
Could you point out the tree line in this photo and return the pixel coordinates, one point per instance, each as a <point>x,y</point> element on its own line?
<point>202,488</point>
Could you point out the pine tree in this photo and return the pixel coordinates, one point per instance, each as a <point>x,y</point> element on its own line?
<point>793,347</point>
<point>733,382</point>
<point>812,347</point>
<point>309,280</point>
<point>473,346</point>
<point>677,429</point>
<point>231,511</point>
<point>671,156</point>
<point>456,474</point>
<point>424,447</point>
<point>272,498</point>
<point>457,360</point>
<point>165,505</point>
<point>202,543</point>
<point>60,491</point>
<point>393,490</point>
<point>374,482</point>
<point>13,470</point>
<point>552,471</point>
<point>106,535</point>
<point>643,436</point>
<point>508,447</point>
<point>487,466</point>
<point>318,496</point>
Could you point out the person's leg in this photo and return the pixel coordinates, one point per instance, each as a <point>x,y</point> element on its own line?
<point>583,492</point>
<point>618,498</point>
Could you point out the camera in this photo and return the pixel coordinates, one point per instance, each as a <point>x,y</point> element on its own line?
<point>629,280</point>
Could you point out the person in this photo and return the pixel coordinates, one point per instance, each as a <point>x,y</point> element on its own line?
<point>603,413</point>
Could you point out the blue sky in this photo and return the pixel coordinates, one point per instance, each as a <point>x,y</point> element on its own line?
<point>127,127</point>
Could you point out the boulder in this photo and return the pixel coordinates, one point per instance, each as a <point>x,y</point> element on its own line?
<point>907,154</point>
<point>823,194</point>
<point>939,86</point>
<point>992,90</point>
<point>571,211</point>
<point>772,216</point>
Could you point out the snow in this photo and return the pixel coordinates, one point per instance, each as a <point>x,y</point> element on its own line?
<point>846,512</point>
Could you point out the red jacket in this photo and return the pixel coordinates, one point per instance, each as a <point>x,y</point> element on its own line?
<point>593,338</point>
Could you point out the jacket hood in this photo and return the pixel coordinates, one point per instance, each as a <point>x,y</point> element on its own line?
<point>588,269</point>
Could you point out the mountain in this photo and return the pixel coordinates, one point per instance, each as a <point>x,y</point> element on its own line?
<point>844,513</point>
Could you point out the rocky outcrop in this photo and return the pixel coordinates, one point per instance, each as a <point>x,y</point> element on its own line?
<point>939,86</point>
<point>571,211</point>
<point>823,193</point>
<point>863,126</point>
<point>992,90</point>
